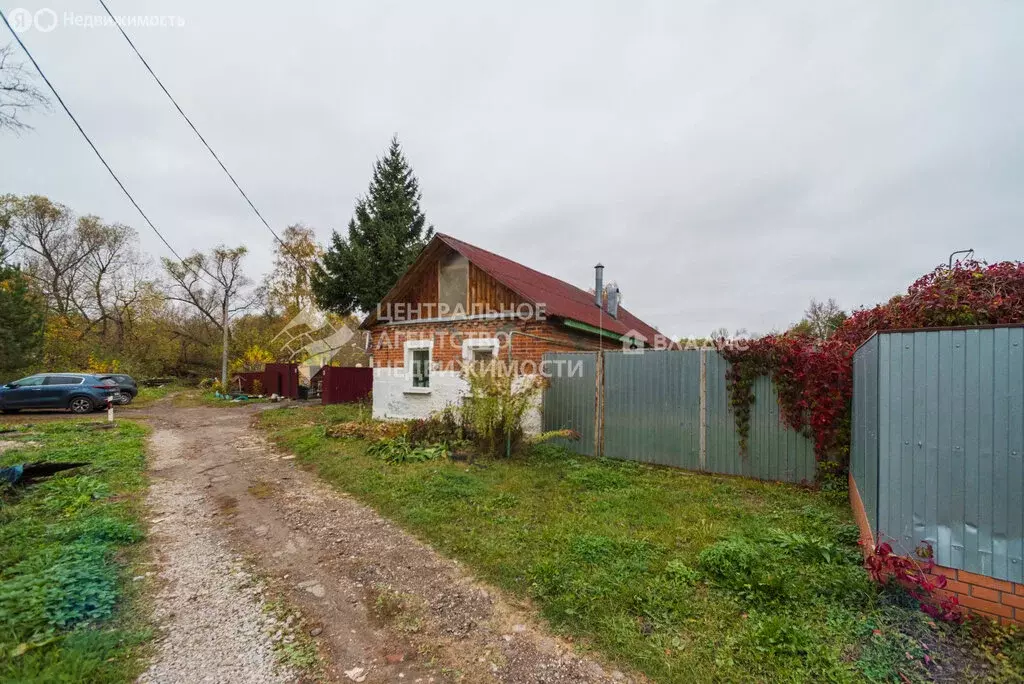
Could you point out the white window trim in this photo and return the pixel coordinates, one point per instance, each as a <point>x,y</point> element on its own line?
<point>468,346</point>
<point>410,345</point>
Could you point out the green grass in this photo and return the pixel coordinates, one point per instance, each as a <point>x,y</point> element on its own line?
<point>184,396</point>
<point>147,396</point>
<point>683,576</point>
<point>68,608</point>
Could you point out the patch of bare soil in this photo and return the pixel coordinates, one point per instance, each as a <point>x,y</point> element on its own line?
<point>382,606</point>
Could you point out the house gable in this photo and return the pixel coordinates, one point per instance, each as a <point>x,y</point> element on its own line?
<point>431,282</point>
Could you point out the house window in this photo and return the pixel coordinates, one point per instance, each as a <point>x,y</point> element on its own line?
<point>418,355</point>
<point>479,352</point>
<point>421,368</point>
<point>483,355</point>
<point>453,285</point>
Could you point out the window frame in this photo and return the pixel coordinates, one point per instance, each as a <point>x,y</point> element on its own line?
<point>476,343</point>
<point>46,383</point>
<point>410,347</point>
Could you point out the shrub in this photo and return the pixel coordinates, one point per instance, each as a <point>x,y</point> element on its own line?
<point>401,450</point>
<point>447,426</point>
<point>915,577</point>
<point>497,402</point>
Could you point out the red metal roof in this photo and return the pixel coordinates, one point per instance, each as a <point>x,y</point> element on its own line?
<point>558,297</point>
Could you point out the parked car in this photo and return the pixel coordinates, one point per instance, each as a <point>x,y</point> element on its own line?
<point>126,385</point>
<point>77,392</point>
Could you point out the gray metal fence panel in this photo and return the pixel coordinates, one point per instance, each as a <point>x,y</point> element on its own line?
<point>723,441</point>
<point>570,397</point>
<point>950,442</point>
<point>864,428</point>
<point>774,451</point>
<point>652,407</point>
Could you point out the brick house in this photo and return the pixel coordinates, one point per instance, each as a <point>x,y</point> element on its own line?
<point>458,303</point>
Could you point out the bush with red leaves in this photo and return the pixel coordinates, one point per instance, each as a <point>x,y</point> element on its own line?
<point>916,578</point>
<point>815,377</point>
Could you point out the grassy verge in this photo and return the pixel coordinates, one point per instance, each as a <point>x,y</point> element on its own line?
<point>683,576</point>
<point>193,397</point>
<point>147,396</point>
<point>67,548</point>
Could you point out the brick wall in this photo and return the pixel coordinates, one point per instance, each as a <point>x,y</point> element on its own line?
<point>979,595</point>
<point>984,596</point>
<point>387,343</point>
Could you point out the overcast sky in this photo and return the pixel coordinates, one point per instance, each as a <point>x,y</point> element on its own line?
<point>726,161</point>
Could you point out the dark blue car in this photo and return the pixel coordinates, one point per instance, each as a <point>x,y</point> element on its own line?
<point>77,392</point>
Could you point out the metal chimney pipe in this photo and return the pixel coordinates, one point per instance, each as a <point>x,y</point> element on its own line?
<point>613,301</point>
<point>598,284</point>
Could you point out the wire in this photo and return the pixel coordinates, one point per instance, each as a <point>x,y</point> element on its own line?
<point>189,121</point>
<point>91,144</point>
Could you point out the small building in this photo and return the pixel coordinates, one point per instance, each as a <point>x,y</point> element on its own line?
<point>459,304</point>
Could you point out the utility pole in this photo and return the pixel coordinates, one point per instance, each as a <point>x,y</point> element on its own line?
<point>224,345</point>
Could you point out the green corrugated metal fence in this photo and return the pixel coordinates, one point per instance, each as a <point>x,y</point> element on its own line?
<point>672,408</point>
<point>569,402</point>
<point>652,408</point>
<point>938,444</point>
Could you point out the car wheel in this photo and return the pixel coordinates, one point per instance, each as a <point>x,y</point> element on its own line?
<point>123,398</point>
<point>81,405</point>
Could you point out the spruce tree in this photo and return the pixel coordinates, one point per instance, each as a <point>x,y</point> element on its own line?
<point>385,235</point>
<point>21,324</point>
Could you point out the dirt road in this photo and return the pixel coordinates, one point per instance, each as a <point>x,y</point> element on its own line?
<point>381,606</point>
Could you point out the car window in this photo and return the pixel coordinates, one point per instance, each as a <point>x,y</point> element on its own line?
<point>31,381</point>
<point>63,380</point>
<point>109,382</point>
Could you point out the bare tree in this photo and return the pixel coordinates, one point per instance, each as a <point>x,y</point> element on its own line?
<point>212,284</point>
<point>6,233</point>
<point>821,319</point>
<point>54,247</point>
<point>18,92</point>
<point>109,255</point>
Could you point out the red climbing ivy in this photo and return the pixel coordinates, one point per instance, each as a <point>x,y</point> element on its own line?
<point>815,377</point>
<point>917,578</point>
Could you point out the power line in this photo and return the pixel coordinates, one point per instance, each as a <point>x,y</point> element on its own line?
<point>89,140</point>
<point>189,121</point>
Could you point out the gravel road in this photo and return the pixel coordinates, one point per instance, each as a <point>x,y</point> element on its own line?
<point>211,610</point>
<point>380,605</point>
